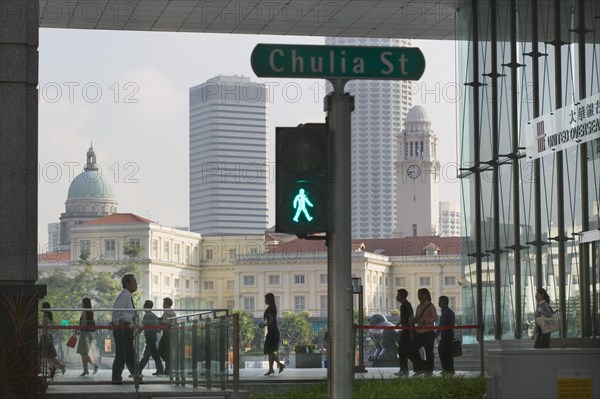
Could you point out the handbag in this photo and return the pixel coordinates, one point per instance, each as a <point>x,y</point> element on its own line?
<point>548,324</point>
<point>456,346</point>
<point>72,341</point>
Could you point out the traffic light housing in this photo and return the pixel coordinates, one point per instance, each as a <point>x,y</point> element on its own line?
<point>301,169</point>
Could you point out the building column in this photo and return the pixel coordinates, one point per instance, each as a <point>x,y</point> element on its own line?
<point>18,166</point>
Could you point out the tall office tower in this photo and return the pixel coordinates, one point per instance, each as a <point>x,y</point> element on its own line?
<point>418,177</point>
<point>449,219</point>
<point>228,156</point>
<point>380,108</point>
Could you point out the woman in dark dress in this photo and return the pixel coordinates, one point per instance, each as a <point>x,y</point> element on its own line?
<point>86,335</point>
<point>272,339</point>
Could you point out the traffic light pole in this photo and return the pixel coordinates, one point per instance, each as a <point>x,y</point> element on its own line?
<point>339,105</point>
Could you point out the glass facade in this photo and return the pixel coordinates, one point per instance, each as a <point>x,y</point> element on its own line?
<point>525,218</point>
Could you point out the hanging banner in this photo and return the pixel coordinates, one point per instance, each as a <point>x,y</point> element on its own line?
<point>566,127</point>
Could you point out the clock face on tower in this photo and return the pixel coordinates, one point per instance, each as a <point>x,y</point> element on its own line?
<point>413,171</point>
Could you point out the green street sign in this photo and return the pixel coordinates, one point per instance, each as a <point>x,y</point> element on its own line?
<point>337,62</point>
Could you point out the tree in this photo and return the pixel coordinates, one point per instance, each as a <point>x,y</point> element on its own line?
<point>132,250</point>
<point>297,327</point>
<point>246,328</point>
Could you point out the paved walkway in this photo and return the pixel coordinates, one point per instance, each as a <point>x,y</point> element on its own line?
<point>70,385</point>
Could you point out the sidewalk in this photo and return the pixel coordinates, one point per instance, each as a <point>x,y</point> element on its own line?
<point>70,385</point>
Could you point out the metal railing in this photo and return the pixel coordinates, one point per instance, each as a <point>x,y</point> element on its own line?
<point>202,351</point>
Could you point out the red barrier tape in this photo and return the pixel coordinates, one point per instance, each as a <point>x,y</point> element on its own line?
<point>468,326</point>
<point>109,327</point>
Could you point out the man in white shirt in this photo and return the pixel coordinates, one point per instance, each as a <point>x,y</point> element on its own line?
<point>123,322</point>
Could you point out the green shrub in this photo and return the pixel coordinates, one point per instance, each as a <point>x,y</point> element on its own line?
<point>392,388</point>
<point>310,348</point>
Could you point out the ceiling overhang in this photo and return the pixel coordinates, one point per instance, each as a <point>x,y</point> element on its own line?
<point>387,18</point>
<point>406,19</point>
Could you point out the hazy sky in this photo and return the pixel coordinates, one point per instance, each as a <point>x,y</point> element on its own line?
<point>127,92</point>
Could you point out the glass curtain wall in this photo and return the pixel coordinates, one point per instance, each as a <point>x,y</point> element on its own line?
<point>523,218</point>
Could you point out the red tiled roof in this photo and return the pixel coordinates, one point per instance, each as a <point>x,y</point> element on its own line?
<point>413,246</point>
<point>59,256</point>
<point>407,246</point>
<point>120,218</point>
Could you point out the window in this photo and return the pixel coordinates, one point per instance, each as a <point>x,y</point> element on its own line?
<point>249,304</point>
<point>449,280</point>
<point>176,252</point>
<point>425,281</point>
<point>400,281</point>
<point>176,283</point>
<point>155,280</point>
<point>230,285</point>
<point>323,303</point>
<point>209,254</point>
<point>299,303</point>
<point>230,304</point>
<point>85,249</point>
<point>323,279</point>
<point>248,281</point>
<point>299,279</point>
<point>167,281</point>
<point>187,284</point>
<point>109,249</point>
<point>452,302</point>
<point>414,228</point>
<point>135,242</point>
<point>166,251</point>
<point>274,279</point>
<point>210,304</point>
<point>187,254</point>
<point>154,248</point>
<point>231,254</point>
<point>209,285</point>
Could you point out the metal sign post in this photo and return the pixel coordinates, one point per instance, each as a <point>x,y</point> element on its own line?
<point>339,250</point>
<point>338,64</point>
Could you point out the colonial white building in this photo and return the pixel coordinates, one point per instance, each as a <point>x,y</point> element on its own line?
<point>203,271</point>
<point>235,272</point>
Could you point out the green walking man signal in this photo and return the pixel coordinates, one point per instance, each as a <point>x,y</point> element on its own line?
<point>301,185</point>
<point>300,202</point>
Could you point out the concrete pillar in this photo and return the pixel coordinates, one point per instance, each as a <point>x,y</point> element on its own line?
<point>18,181</point>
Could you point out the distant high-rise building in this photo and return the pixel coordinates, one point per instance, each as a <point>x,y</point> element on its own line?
<point>380,108</point>
<point>53,237</point>
<point>228,156</point>
<point>449,219</point>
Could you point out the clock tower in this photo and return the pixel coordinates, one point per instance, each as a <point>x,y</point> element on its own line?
<point>418,174</point>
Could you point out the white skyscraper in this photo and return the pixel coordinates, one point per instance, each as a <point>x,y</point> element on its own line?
<point>449,219</point>
<point>228,156</point>
<point>380,108</point>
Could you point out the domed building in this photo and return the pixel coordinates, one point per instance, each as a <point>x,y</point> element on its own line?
<point>90,196</point>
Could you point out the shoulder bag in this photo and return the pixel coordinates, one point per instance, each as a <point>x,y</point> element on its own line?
<point>548,324</point>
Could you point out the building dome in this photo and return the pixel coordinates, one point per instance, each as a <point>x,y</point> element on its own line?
<point>417,114</point>
<point>91,183</point>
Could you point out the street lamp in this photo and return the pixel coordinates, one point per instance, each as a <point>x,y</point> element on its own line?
<point>285,340</point>
<point>357,288</point>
